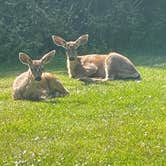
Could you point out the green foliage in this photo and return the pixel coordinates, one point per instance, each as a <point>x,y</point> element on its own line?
<point>111,24</point>
<point>112,123</point>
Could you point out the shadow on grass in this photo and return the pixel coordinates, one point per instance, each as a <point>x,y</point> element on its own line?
<point>45,101</point>
<point>100,81</point>
<point>50,101</point>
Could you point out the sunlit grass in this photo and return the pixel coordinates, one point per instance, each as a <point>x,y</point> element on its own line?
<point>112,123</point>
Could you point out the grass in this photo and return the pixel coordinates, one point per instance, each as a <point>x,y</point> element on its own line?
<point>112,123</point>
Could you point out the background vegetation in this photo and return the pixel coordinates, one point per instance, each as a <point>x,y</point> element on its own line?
<point>111,24</point>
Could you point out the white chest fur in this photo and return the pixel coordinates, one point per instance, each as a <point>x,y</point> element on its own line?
<point>71,67</point>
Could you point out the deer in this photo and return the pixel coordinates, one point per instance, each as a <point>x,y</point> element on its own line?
<point>95,67</point>
<point>34,84</point>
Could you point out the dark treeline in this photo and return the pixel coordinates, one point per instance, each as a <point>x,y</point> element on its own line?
<point>27,25</point>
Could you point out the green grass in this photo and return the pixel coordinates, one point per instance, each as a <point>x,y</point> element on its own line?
<point>112,123</point>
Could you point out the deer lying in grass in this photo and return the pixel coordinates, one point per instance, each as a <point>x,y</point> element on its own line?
<point>34,84</point>
<point>95,66</point>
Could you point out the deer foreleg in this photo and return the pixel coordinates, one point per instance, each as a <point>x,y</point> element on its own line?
<point>55,86</point>
<point>90,69</point>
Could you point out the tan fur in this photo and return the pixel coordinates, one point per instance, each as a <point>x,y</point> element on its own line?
<point>26,87</point>
<point>110,66</point>
<point>96,66</point>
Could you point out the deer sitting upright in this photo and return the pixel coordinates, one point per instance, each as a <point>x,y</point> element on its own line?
<point>34,84</point>
<point>95,66</point>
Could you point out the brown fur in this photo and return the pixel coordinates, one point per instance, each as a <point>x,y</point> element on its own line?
<point>96,66</point>
<point>26,87</point>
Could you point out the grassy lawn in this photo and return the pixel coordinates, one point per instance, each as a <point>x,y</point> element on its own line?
<point>111,123</point>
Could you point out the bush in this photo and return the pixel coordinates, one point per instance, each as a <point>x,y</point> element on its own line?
<point>112,25</point>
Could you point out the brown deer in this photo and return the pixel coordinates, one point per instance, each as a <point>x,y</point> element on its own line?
<point>35,84</point>
<point>95,66</point>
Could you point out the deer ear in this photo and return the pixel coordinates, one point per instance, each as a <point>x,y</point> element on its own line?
<point>82,40</point>
<point>59,41</point>
<point>47,57</point>
<point>24,58</point>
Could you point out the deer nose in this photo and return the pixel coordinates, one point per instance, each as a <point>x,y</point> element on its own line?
<point>38,78</point>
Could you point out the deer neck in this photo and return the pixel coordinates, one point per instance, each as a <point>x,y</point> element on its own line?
<point>71,66</point>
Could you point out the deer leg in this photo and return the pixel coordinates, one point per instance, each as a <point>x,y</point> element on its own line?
<point>90,69</point>
<point>129,76</point>
<point>56,88</point>
<point>109,75</point>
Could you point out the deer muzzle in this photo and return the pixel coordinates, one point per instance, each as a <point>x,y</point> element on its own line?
<point>38,78</point>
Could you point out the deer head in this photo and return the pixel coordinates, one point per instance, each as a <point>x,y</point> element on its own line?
<point>36,66</point>
<point>70,46</point>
